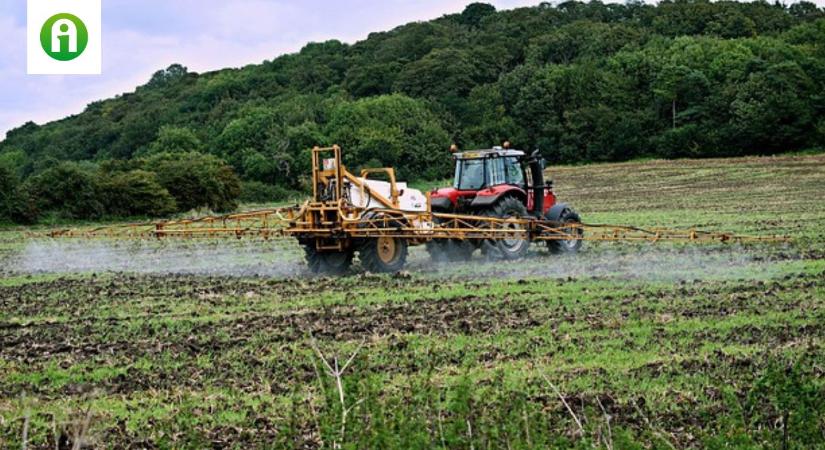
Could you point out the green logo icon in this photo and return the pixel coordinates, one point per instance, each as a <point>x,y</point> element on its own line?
<point>64,37</point>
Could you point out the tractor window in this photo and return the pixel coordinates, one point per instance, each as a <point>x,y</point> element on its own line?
<point>515,175</point>
<point>496,171</point>
<point>469,174</point>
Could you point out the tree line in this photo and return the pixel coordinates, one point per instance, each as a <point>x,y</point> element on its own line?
<point>582,82</point>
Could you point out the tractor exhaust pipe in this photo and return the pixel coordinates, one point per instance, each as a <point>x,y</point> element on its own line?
<point>537,175</point>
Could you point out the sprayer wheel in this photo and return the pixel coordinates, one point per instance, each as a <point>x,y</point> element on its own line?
<point>506,248</point>
<point>383,254</point>
<point>328,263</point>
<point>558,246</point>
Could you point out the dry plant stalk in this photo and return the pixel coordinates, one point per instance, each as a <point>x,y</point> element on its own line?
<point>470,434</point>
<point>526,427</point>
<point>608,441</point>
<point>336,371</point>
<point>597,436</point>
<point>25,440</point>
<point>566,405</point>
<point>81,429</point>
<point>656,432</point>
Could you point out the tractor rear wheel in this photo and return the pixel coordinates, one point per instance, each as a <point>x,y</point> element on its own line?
<point>560,246</point>
<point>328,263</point>
<point>510,247</point>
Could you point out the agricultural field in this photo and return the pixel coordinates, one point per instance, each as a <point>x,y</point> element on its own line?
<point>215,344</point>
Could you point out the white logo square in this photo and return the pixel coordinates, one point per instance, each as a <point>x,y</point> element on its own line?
<point>64,37</point>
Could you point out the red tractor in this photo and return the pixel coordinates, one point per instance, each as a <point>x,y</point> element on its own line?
<point>503,183</point>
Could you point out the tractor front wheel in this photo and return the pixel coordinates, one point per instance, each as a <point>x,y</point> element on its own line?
<point>327,263</point>
<point>560,246</point>
<point>510,247</point>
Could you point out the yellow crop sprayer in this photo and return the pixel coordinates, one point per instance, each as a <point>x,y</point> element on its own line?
<point>499,204</point>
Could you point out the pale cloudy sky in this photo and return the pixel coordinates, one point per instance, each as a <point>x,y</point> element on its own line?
<point>142,36</point>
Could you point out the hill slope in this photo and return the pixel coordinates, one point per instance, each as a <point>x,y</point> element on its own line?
<point>583,82</point>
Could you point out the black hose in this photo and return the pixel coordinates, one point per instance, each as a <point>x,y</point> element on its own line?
<point>537,174</point>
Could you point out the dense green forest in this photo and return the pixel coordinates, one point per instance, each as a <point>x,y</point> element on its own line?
<point>580,81</point>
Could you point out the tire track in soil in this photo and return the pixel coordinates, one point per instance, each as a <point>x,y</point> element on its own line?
<point>461,315</point>
<point>78,341</point>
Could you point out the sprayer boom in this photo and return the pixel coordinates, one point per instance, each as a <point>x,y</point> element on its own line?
<point>286,223</point>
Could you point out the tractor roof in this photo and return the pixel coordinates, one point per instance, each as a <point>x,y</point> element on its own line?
<point>490,152</point>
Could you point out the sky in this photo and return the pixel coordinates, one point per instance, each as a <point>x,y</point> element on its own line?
<point>143,36</point>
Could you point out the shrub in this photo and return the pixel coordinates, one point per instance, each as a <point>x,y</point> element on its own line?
<point>137,193</point>
<point>257,192</point>
<point>8,192</point>
<point>196,180</point>
<point>395,130</point>
<point>175,140</point>
<point>68,189</point>
<point>8,187</point>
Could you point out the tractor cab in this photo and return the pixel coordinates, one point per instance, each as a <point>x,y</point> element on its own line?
<point>483,177</point>
<point>486,168</point>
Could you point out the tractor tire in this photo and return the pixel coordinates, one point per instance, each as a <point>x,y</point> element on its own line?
<point>384,254</point>
<point>450,250</point>
<point>327,263</point>
<point>568,245</point>
<point>506,249</point>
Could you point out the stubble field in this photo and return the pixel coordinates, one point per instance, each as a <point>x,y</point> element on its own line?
<point>232,344</point>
